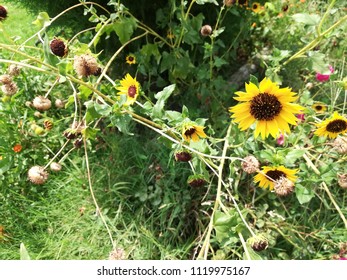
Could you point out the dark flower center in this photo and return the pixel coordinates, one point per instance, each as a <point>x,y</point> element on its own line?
<point>275,174</point>
<point>319,107</point>
<point>255,6</point>
<point>130,58</point>
<point>242,2</point>
<point>285,8</point>
<point>337,126</point>
<point>265,107</point>
<point>132,91</point>
<point>189,131</point>
<point>3,12</point>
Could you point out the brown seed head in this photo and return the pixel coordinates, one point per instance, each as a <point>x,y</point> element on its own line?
<point>9,89</point>
<point>85,65</point>
<point>258,243</point>
<point>58,47</point>
<point>42,103</point>
<point>55,166</point>
<point>13,70</point>
<point>342,180</point>
<point>117,254</point>
<point>5,79</point>
<point>340,145</point>
<point>283,186</point>
<point>183,156</point>
<point>59,103</point>
<point>37,175</point>
<point>250,164</point>
<point>206,30</point>
<point>3,13</point>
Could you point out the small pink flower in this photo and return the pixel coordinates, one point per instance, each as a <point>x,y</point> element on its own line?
<point>301,118</point>
<point>343,259</point>
<point>324,77</point>
<point>280,140</point>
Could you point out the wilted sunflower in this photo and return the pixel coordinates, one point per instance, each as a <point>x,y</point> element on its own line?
<point>256,8</point>
<point>130,59</point>
<point>268,106</point>
<point>130,87</point>
<point>332,127</point>
<point>269,175</point>
<point>191,131</point>
<point>3,13</point>
<point>319,107</point>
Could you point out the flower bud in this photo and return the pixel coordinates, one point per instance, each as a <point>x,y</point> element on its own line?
<point>342,180</point>
<point>55,166</point>
<point>196,181</point>
<point>59,103</point>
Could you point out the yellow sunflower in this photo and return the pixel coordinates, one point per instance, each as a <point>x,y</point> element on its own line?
<point>319,107</point>
<point>130,59</point>
<point>332,127</point>
<point>191,131</point>
<point>130,87</point>
<point>256,8</point>
<point>268,175</point>
<point>268,106</point>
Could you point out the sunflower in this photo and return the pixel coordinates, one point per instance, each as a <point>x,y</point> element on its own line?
<point>268,106</point>
<point>130,87</point>
<point>191,131</point>
<point>332,127</point>
<point>319,107</point>
<point>130,59</point>
<point>256,8</point>
<point>269,175</point>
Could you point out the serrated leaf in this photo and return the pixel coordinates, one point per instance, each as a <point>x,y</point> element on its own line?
<point>102,109</point>
<point>24,255</point>
<point>121,122</point>
<point>124,28</point>
<point>304,195</point>
<point>42,20</point>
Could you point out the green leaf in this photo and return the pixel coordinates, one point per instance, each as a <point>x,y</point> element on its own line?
<point>303,194</point>
<point>42,20</point>
<point>124,29</point>
<point>218,62</point>
<point>162,96</point>
<point>102,109</point>
<point>253,80</point>
<point>84,92</point>
<point>316,62</point>
<point>202,2</point>
<point>121,122</point>
<point>293,155</point>
<point>307,18</point>
<point>24,255</point>
<point>5,164</point>
<point>89,132</point>
<point>149,50</point>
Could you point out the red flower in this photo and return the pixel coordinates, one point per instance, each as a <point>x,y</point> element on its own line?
<point>17,148</point>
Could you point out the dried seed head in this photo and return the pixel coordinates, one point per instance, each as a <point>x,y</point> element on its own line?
<point>9,89</point>
<point>59,103</point>
<point>58,47</point>
<point>5,79</point>
<point>37,114</point>
<point>70,133</point>
<point>250,164</point>
<point>258,242</point>
<point>196,181</point>
<point>37,175</point>
<point>78,143</point>
<point>85,65</point>
<point>309,85</point>
<point>3,13</point>
<point>78,126</point>
<point>28,103</point>
<point>340,145</point>
<point>283,186</point>
<point>42,103</point>
<point>13,70</point>
<point>55,166</point>
<point>342,180</point>
<point>184,156</point>
<point>117,254</point>
<point>206,30</point>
